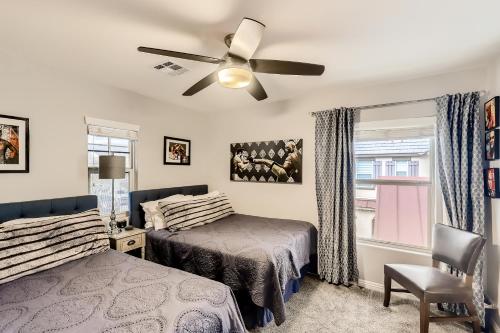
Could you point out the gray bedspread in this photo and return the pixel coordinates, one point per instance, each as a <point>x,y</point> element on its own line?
<point>115,292</point>
<point>254,254</point>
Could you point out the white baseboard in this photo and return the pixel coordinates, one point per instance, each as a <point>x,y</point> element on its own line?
<point>378,287</point>
<point>371,285</point>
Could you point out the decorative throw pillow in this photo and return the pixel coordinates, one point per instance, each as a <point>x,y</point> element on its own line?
<point>196,212</point>
<point>152,213</point>
<point>32,247</point>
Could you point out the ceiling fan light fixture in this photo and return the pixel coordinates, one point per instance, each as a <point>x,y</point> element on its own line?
<point>237,67</point>
<point>234,77</point>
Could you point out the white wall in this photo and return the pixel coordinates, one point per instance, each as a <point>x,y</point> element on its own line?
<point>56,104</point>
<point>291,119</point>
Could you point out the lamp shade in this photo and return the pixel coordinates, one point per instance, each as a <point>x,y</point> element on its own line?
<point>111,167</point>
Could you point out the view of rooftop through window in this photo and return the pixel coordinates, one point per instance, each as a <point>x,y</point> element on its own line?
<point>101,145</point>
<point>393,181</point>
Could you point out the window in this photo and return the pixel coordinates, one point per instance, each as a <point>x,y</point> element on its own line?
<point>364,169</point>
<point>102,145</point>
<point>111,138</point>
<point>402,168</point>
<point>395,184</point>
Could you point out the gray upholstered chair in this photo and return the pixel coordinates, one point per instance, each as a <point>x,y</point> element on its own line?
<point>455,247</point>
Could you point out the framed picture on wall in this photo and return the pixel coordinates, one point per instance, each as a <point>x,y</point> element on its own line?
<point>176,151</point>
<point>492,142</point>
<point>491,113</point>
<point>492,182</point>
<point>14,144</point>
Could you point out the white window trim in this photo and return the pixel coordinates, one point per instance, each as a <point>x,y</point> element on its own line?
<point>435,214</point>
<point>393,246</point>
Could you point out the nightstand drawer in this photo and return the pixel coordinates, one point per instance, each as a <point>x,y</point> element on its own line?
<point>131,243</point>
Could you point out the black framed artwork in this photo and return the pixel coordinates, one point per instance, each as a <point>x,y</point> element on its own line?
<point>277,161</point>
<point>492,113</point>
<point>492,182</point>
<point>176,151</point>
<point>492,142</point>
<point>14,144</point>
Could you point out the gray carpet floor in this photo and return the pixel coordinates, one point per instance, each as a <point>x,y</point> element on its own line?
<point>322,307</point>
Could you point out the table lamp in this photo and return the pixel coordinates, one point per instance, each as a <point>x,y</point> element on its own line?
<point>112,167</point>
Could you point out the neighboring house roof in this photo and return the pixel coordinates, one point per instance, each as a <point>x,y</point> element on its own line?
<point>392,147</point>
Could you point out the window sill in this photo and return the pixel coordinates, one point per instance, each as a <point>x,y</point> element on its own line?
<point>394,246</point>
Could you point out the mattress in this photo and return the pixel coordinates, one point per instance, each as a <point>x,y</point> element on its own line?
<point>253,255</point>
<point>116,292</point>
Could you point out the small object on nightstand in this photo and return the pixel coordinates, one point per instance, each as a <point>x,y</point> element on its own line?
<point>129,240</point>
<point>129,227</point>
<point>121,224</point>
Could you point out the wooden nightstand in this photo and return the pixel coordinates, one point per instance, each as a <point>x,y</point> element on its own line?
<point>129,240</point>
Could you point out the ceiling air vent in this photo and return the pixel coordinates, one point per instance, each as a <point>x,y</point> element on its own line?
<point>171,68</point>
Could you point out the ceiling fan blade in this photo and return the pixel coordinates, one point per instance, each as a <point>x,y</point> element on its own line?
<point>285,67</point>
<point>202,84</point>
<point>181,55</point>
<point>256,90</point>
<point>247,38</point>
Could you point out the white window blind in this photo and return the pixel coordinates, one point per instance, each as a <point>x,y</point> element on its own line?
<point>393,133</point>
<point>395,129</point>
<point>114,129</point>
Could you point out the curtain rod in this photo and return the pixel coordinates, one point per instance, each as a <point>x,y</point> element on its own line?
<point>376,106</point>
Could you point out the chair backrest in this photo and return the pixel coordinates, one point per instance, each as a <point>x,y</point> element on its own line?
<point>456,247</point>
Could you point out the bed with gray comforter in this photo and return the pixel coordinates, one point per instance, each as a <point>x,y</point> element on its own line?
<point>101,292</point>
<point>253,254</point>
<point>115,292</point>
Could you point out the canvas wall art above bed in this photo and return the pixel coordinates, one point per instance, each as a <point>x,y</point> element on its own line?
<point>278,161</point>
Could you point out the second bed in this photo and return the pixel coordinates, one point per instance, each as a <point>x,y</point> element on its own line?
<point>262,259</point>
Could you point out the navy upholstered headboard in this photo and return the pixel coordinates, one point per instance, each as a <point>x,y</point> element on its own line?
<point>137,197</point>
<point>49,207</point>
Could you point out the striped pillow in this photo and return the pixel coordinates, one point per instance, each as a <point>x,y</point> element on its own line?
<point>193,213</point>
<point>28,248</point>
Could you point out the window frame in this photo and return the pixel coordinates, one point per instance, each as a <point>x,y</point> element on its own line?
<point>435,201</point>
<point>131,171</point>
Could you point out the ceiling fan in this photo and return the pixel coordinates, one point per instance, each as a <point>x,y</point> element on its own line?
<point>237,67</point>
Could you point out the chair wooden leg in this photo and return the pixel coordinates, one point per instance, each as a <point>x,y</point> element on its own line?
<point>476,324</point>
<point>424,316</point>
<point>387,290</point>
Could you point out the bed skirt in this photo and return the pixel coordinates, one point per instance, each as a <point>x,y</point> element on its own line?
<point>256,316</point>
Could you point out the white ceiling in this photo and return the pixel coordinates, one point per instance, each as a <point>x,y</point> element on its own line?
<point>357,41</point>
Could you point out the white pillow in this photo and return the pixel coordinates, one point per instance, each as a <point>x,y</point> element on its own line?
<point>153,215</point>
<point>208,195</point>
<point>149,222</point>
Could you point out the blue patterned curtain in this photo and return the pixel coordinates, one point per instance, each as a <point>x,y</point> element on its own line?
<point>460,165</point>
<point>335,196</point>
